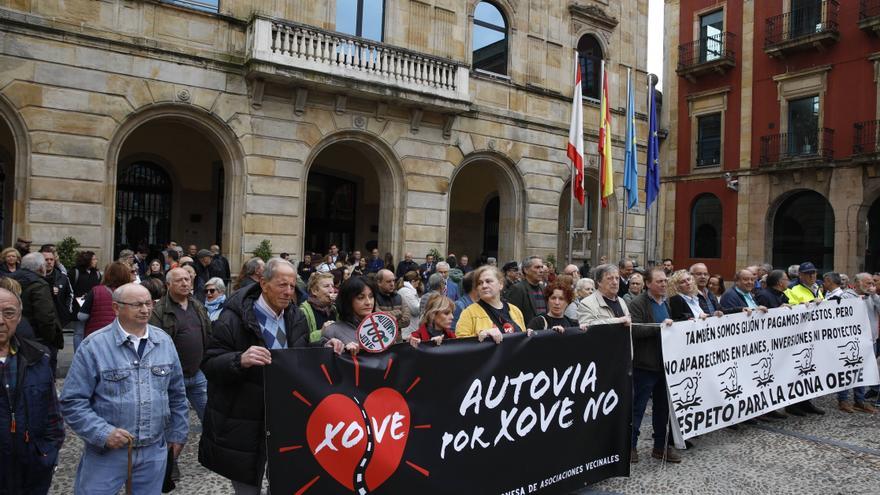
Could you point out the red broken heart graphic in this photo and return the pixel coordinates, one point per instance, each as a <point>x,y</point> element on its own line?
<point>338,438</point>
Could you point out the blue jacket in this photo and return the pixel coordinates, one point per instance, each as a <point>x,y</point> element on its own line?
<point>460,305</point>
<point>29,453</point>
<point>451,290</point>
<point>109,387</point>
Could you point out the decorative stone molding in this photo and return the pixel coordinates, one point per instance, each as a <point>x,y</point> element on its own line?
<point>592,14</point>
<point>257,96</point>
<point>299,102</point>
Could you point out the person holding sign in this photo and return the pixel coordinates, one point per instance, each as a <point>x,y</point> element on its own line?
<point>489,316</point>
<point>604,307</point>
<point>436,323</point>
<point>355,302</point>
<point>684,299</point>
<point>558,296</point>
<point>649,309</point>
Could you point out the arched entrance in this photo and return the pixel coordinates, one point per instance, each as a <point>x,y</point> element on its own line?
<point>168,187</point>
<point>584,217</point>
<point>803,230</point>
<point>7,182</point>
<point>353,195</point>
<point>872,252</point>
<point>484,199</point>
<point>177,175</point>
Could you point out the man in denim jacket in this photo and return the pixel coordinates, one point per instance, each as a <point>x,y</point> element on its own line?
<point>126,386</point>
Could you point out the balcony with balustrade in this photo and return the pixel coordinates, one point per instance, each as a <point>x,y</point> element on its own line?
<point>869,16</point>
<point>708,55</point>
<point>304,56</point>
<point>813,27</point>
<point>802,147</point>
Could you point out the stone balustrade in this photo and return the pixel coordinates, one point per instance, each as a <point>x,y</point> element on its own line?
<point>307,48</point>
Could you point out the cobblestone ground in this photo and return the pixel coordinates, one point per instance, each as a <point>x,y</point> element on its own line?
<point>835,453</point>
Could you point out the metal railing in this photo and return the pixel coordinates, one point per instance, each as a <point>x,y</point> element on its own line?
<point>707,49</point>
<point>306,47</point>
<point>802,22</point>
<point>778,148</point>
<point>865,137</point>
<point>868,9</point>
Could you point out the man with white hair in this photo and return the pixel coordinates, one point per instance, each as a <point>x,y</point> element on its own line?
<point>125,390</point>
<point>451,286</point>
<point>38,306</point>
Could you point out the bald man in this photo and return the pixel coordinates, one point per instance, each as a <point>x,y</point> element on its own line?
<point>388,300</point>
<point>125,386</point>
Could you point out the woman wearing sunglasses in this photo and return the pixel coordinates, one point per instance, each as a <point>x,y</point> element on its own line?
<point>215,297</point>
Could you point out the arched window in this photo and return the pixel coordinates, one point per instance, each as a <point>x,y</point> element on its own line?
<point>143,206</point>
<point>590,58</point>
<point>706,227</point>
<point>490,39</point>
<point>803,230</point>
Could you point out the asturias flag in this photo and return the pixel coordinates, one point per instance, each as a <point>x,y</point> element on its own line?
<point>576,136</point>
<point>606,172</point>
<point>630,168</point>
<point>652,179</point>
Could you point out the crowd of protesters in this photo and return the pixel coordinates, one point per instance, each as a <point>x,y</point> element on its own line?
<point>155,336</point>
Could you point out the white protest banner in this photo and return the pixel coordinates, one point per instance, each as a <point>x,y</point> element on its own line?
<point>722,371</point>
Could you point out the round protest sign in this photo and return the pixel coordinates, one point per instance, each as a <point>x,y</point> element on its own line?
<point>377,332</point>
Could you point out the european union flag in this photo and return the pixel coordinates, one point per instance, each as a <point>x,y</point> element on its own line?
<point>630,168</point>
<point>652,179</point>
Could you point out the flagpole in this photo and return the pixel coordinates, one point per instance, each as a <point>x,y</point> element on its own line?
<point>626,199</point>
<point>573,176</point>
<point>596,255</point>
<point>647,206</point>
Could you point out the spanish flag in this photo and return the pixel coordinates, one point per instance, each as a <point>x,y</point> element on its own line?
<point>606,170</point>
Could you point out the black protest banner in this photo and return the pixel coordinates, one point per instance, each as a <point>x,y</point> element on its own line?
<point>547,413</point>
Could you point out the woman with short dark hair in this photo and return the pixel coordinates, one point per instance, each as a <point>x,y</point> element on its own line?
<point>558,295</point>
<point>356,301</point>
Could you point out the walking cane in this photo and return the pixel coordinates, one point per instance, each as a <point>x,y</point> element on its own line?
<point>128,480</point>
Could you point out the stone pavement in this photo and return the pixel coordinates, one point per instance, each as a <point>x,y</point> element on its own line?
<point>835,453</point>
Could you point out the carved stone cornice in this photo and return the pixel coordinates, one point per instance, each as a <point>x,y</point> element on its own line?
<point>593,15</point>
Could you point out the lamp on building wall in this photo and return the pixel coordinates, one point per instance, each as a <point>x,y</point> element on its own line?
<point>732,182</point>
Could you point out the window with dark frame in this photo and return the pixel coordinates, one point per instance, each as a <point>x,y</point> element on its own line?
<point>590,59</point>
<point>803,126</point>
<point>711,42</point>
<point>490,39</point>
<point>364,18</point>
<point>706,225</point>
<point>709,140</point>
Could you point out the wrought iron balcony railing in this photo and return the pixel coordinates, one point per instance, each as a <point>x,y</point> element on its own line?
<point>706,50</point>
<point>302,47</point>
<point>798,145</point>
<point>865,137</point>
<point>802,25</point>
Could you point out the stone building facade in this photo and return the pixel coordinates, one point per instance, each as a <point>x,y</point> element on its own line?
<point>127,122</point>
<point>772,154</point>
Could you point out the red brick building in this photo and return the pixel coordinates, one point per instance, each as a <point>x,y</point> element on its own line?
<point>772,153</point>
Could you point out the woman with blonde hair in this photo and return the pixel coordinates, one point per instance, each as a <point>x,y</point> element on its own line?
<point>436,323</point>
<point>489,316</point>
<point>684,301</point>
<point>9,260</point>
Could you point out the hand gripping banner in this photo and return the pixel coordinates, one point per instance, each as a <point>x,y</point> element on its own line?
<point>722,371</point>
<point>548,413</point>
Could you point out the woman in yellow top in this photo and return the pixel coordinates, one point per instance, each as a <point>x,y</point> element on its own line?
<point>489,316</point>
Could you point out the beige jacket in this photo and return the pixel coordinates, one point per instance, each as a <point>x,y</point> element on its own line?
<point>593,310</point>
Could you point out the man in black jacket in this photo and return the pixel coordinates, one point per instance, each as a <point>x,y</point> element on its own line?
<point>527,294</point>
<point>649,381</point>
<point>62,291</point>
<point>772,295</point>
<point>37,305</point>
<point>255,319</point>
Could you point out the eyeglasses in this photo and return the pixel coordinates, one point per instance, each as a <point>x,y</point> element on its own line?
<point>138,305</point>
<point>210,291</point>
<point>9,314</point>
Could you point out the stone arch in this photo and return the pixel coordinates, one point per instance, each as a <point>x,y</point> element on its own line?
<point>775,231</point>
<point>511,192</point>
<point>392,182</point>
<point>598,35</point>
<point>16,226</point>
<point>226,144</point>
